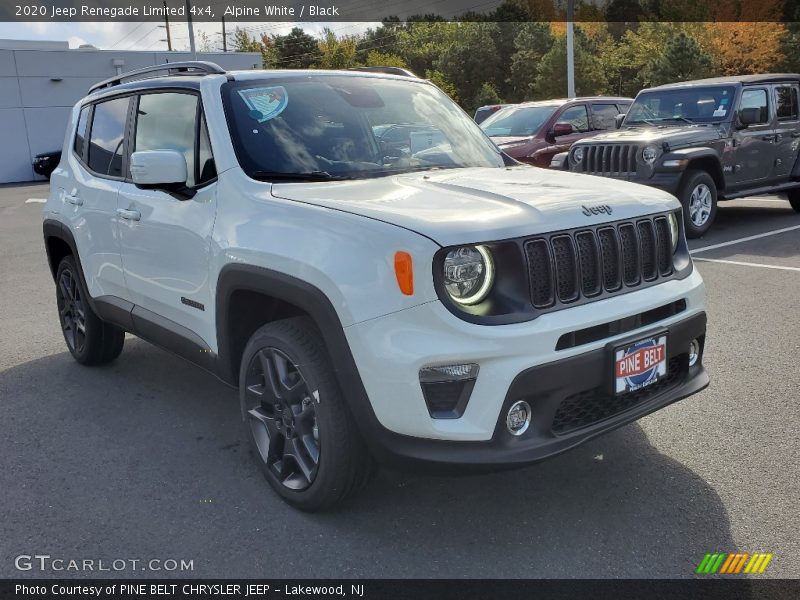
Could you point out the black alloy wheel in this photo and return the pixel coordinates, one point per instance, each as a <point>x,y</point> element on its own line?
<point>71,310</point>
<point>282,418</point>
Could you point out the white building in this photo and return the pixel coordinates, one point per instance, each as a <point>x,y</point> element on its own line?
<point>41,81</point>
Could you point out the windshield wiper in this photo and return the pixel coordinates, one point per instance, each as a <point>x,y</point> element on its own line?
<point>281,176</point>
<point>684,119</point>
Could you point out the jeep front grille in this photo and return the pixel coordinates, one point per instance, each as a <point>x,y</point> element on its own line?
<point>608,159</point>
<point>565,267</point>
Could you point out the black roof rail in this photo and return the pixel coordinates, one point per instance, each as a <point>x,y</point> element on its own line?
<point>193,67</point>
<point>387,70</point>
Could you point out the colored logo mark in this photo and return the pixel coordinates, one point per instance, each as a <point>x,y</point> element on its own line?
<point>734,563</point>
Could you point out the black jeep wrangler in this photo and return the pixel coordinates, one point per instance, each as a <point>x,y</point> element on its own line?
<point>703,141</point>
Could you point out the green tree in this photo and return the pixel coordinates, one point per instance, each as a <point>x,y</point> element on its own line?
<point>487,94</point>
<point>683,59</point>
<point>533,41</point>
<point>244,42</point>
<point>470,59</point>
<point>297,50</point>
<point>551,82</point>
<point>337,53</point>
<point>439,80</point>
<point>383,59</point>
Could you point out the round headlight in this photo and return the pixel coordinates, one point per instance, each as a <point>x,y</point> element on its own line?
<point>674,232</point>
<point>577,154</point>
<point>649,155</point>
<point>468,274</point>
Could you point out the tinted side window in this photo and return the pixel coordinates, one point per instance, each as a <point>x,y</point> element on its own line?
<point>167,122</point>
<point>80,132</point>
<point>786,105</point>
<point>756,99</point>
<point>577,117</point>
<point>206,168</point>
<point>603,116</point>
<point>105,145</point>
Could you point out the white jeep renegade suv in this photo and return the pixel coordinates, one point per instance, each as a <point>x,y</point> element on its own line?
<point>373,274</point>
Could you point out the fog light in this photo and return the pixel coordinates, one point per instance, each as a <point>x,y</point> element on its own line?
<point>519,417</point>
<point>447,389</point>
<point>694,352</point>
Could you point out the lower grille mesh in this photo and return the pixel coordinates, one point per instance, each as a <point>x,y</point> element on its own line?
<point>592,406</point>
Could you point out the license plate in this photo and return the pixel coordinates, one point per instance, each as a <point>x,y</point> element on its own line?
<point>640,364</point>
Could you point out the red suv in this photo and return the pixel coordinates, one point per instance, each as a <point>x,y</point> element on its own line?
<point>533,132</point>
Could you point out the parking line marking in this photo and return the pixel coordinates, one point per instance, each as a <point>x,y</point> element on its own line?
<point>747,264</point>
<point>37,200</point>
<point>744,239</point>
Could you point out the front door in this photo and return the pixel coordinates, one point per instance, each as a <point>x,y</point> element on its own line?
<point>787,131</point>
<point>754,150</point>
<point>165,238</point>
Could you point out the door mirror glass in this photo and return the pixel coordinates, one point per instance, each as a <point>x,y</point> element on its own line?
<point>560,129</point>
<point>619,119</point>
<point>159,168</point>
<point>749,116</point>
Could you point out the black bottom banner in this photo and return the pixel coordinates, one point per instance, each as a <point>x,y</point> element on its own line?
<point>411,589</point>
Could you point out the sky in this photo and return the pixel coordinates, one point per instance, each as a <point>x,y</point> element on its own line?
<point>149,36</point>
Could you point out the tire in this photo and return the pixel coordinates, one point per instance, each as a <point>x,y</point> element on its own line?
<point>306,443</point>
<point>90,340</point>
<point>698,195</point>
<point>794,199</point>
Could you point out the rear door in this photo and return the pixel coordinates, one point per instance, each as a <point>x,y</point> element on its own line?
<point>89,197</point>
<point>755,148</point>
<point>604,116</point>
<point>787,130</point>
<point>166,239</point>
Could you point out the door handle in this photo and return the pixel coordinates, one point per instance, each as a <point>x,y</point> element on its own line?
<point>73,199</point>
<point>768,138</point>
<point>129,215</point>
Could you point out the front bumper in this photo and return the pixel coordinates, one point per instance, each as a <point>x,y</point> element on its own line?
<point>516,362</point>
<point>667,180</point>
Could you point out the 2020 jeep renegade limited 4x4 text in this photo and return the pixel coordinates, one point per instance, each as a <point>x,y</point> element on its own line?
<point>435,304</point>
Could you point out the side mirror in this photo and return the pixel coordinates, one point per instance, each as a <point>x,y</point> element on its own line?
<point>749,116</point>
<point>161,170</point>
<point>619,119</point>
<point>560,129</point>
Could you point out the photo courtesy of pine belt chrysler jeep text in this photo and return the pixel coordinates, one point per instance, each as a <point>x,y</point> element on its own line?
<point>428,305</point>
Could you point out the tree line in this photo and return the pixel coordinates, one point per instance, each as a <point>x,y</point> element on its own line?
<point>518,51</point>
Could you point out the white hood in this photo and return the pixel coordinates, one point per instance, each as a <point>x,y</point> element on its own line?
<point>483,204</point>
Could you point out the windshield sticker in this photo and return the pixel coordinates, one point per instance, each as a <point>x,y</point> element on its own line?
<point>265,103</point>
<point>720,112</point>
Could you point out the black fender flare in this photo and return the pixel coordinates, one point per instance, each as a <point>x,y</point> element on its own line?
<point>311,300</point>
<point>51,228</point>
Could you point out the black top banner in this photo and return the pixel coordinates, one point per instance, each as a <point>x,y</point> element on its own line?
<point>405,10</point>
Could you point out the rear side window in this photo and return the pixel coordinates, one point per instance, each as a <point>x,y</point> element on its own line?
<point>80,132</point>
<point>603,116</point>
<point>168,122</point>
<point>786,103</point>
<point>105,144</point>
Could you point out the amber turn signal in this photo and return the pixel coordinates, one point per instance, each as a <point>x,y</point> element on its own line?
<point>404,271</point>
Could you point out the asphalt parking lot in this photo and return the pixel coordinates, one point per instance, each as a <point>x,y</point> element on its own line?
<point>145,458</point>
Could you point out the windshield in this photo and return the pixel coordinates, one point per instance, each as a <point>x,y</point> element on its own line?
<point>517,121</point>
<point>707,104</point>
<point>335,127</point>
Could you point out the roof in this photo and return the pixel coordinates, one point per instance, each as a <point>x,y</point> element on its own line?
<point>735,79</point>
<point>560,101</point>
